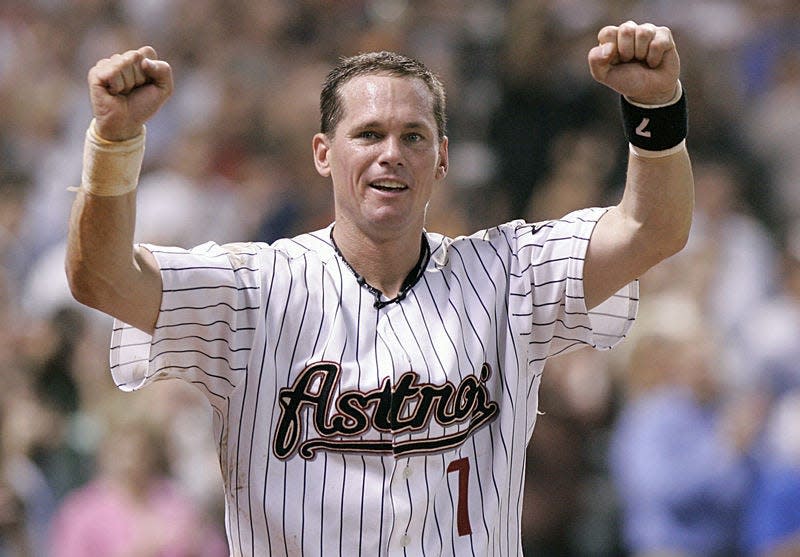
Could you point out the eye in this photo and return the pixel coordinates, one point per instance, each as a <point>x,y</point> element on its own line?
<point>414,137</point>
<point>368,135</point>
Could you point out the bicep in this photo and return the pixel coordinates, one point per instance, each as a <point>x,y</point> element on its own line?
<point>141,305</point>
<point>612,258</point>
<point>651,223</point>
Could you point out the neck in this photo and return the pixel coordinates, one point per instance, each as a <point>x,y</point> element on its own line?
<point>383,263</point>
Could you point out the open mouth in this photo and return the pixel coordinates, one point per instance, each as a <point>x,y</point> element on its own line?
<point>388,186</point>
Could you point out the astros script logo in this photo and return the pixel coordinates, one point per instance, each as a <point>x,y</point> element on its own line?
<point>405,407</point>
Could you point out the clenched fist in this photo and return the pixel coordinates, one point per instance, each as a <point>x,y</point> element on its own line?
<point>126,90</point>
<point>638,61</point>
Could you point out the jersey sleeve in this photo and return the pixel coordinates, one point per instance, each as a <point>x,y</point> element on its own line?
<point>559,306</point>
<point>206,323</point>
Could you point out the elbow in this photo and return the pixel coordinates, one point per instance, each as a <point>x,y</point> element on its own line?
<point>81,284</point>
<point>666,241</point>
<point>680,236</point>
<point>677,241</point>
<point>78,286</point>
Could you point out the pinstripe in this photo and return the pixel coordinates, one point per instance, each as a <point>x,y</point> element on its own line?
<point>250,523</point>
<point>283,340</point>
<point>453,505</point>
<point>362,529</point>
<point>408,485</point>
<point>472,441</point>
<point>435,514</point>
<point>495,336</point>
<point>393,468</point>
<point>513,486</point>
<point>274,368</point>
<point>433,302</point>
<point>342,508</point>
<point>294,352</point>
<point>476,337</point>
<point>231,519</point>
<point>321,311</point>
<point>340,356</point>
<point>211,287</point>
<point>363,462</point>
<point>383,461</point>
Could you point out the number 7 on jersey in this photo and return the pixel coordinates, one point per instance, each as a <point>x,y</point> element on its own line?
<point>461,466</point>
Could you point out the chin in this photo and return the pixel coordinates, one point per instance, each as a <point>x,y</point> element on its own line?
<point>389,228</point>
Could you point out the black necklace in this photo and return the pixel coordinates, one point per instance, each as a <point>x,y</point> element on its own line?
<point>410,280</point>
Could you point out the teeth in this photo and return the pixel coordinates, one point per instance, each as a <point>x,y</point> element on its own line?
<point>389,185</point>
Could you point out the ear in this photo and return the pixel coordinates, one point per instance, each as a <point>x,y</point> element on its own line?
<point>321,148</point>
<point>444,161</point>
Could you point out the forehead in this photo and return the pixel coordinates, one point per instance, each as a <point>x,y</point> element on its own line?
<point>381,97</point>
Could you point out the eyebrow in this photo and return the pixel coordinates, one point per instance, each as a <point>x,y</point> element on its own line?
<point>378,124</point>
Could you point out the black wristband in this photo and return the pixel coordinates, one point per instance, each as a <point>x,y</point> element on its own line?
<point>655,129</point>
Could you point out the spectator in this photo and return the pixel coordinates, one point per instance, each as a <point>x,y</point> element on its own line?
<point>773,358</point>
<point>681,479</point>
<point>26,499</point>
<point>772,522</point>
<point>132,508</point>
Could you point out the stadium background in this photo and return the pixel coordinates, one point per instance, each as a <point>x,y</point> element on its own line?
<point>710,377</point>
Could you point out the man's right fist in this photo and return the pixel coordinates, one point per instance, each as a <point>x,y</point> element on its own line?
<point>126,90</point>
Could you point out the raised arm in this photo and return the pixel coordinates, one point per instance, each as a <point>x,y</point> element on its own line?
<point>652,220</point>
<point>104,269</point>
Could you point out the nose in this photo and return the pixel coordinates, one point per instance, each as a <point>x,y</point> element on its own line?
<point>391,151</point>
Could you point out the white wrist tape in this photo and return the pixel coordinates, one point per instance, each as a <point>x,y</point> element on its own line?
<point>111,167</point>
<point>647,154</point>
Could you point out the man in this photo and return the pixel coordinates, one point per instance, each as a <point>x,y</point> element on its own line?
<point>374,385</point>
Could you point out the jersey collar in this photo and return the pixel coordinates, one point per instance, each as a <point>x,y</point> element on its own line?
<point>408,283</point>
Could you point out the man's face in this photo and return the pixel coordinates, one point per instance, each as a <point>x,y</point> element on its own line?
<point>383,157</point>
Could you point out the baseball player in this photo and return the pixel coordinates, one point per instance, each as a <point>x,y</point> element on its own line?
<point>374,384</point>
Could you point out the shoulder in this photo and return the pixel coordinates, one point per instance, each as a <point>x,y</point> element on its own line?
<point>242,255</point>
<point>516,235</point>
<point>501,235</point>
<point>317,243</point>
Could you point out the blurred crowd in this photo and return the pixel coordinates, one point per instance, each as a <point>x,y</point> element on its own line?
<point>684,441</point>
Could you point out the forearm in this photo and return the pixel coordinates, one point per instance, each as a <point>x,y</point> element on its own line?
<point>657,203</point>
<point>99,245</point>
<point>104,270</point>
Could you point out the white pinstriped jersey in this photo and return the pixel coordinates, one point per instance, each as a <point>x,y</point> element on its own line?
<point>349,430</point>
